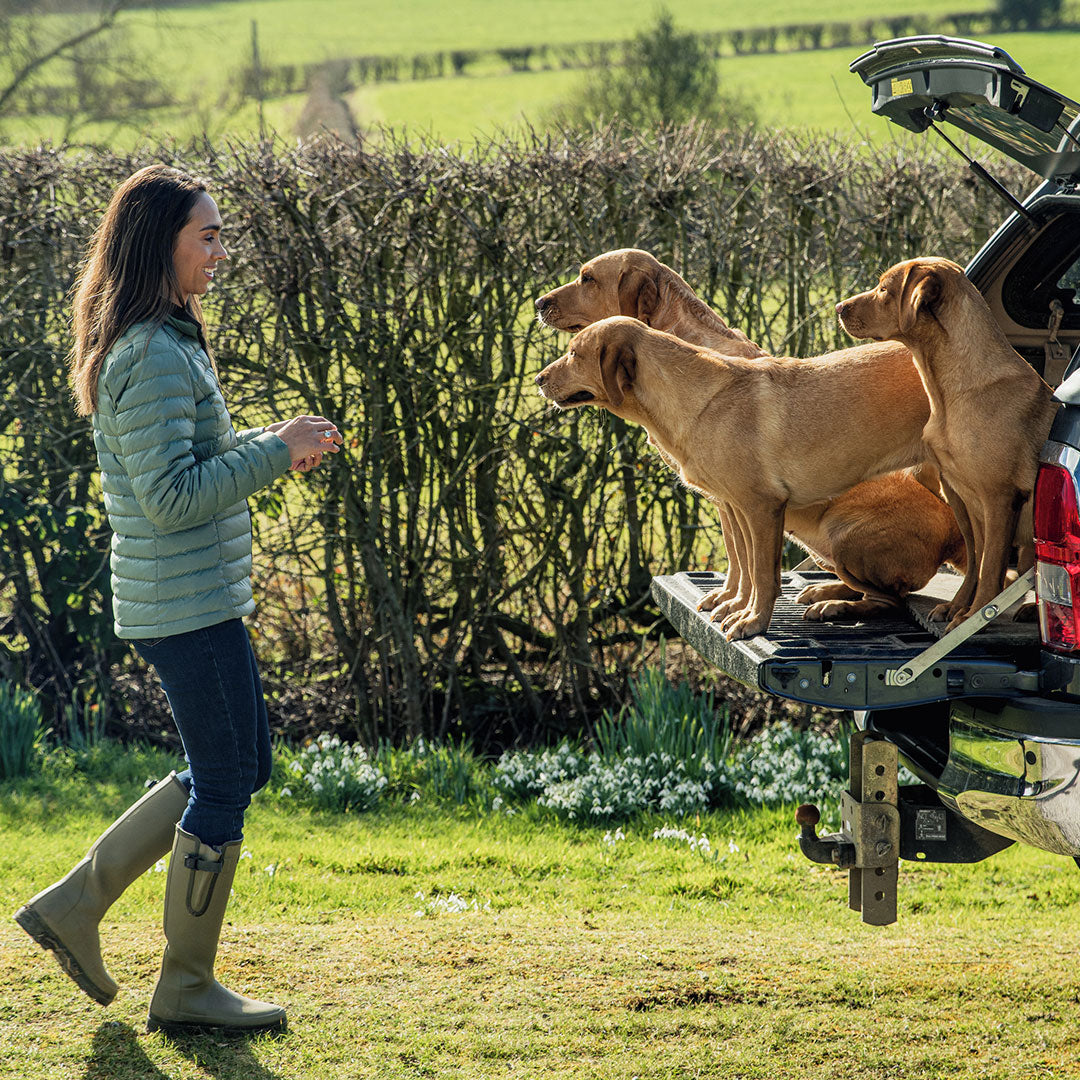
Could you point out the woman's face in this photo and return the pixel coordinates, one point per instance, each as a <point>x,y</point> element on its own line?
<point>198,249</point>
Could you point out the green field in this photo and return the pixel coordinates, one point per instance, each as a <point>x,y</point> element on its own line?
<point>199,48</point>
<point>209,37</point>
<point>432,941</point>
<point>811,90</point>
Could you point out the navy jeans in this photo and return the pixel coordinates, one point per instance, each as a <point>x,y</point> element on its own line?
<point>216,697</point>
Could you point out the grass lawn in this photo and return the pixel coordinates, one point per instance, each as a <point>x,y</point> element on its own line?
<point>429,941</point>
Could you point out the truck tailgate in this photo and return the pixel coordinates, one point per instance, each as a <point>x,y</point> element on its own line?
<point>845,665</point>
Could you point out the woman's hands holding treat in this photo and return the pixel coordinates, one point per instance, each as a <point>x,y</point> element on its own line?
<point>308,438</point>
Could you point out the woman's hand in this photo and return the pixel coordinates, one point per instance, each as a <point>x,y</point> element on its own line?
<point>308,438</point>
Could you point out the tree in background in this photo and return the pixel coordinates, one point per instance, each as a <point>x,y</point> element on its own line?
<point>668,78</point>
<point>1030,14</point>
<point>74,62</point>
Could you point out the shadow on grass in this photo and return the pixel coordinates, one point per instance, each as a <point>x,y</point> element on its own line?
<point>117,1055</point>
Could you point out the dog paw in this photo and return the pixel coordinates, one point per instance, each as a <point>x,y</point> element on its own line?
<point>830,590</point>
<point>711,600</point>
<point>828,610</point>
<point>745,626</point>
<point>957,619</point>
<point>730,606</point>
<point>940,613</point>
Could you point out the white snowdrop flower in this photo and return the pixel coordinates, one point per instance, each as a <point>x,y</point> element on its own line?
<point>296,767</point>
<point>244,853</point>
<point>270,870</point>
<point>286,792</point>
<point>732,846</point>
<point>159,867</point>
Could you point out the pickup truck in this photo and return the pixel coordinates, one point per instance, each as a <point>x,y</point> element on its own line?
<point>987,718</point>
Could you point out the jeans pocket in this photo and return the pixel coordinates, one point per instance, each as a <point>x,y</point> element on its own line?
<point>149,643</point>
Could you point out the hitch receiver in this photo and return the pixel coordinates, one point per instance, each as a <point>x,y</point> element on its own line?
<point>882,823</point>
<point>868,845</point>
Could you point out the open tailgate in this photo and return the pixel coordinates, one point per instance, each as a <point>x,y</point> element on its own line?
<point>844,665</point>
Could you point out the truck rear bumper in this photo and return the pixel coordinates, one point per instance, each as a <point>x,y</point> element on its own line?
<point>1014,768</point>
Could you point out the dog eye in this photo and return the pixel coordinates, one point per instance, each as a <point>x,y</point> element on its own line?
<point>586,278</point>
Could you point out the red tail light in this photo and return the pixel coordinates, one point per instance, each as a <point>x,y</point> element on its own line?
<point>1057,555</point>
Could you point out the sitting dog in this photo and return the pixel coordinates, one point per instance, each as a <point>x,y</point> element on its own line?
<point>761,436</point>
<point>990,412</point>
<point>883,538</point>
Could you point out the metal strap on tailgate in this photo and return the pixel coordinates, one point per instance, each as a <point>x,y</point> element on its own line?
<point>972,625</point>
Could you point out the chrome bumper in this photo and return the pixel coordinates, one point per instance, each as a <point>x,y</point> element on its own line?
<point>1015,769</point>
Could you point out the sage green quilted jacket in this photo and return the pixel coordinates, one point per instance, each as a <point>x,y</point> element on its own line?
<point>176,478</point>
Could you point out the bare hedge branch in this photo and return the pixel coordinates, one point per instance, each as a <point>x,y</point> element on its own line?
<point>472,560</point>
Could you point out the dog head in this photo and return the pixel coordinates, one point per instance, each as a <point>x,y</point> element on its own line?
<point>598,368</point>
<point>622,282</point>
<point>906,295</point>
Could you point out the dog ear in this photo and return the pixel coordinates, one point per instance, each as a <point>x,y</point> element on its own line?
<point>921,291</point>
<point>638,295</point>
<point>618,366</point>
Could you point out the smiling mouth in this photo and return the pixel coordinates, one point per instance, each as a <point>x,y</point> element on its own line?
<point>577,399</point>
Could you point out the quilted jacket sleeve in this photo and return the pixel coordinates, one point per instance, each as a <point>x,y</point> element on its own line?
<point>154,395</point>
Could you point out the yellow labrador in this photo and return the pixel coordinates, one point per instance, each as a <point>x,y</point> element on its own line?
<point>883,538</point>
<point>990,412</point>
<point>759,435</point>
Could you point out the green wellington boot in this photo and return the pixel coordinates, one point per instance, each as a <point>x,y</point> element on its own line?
<point>65,916</point>
<point>188,997</point>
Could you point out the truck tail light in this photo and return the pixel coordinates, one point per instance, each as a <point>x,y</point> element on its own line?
<point>1057,558</point>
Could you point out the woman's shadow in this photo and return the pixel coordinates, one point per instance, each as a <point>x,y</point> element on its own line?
<point>116,1054</point>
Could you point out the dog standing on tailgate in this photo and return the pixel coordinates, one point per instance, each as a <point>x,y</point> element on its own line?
<point>990,412</point>
<point>756,435</point>
<point>883,538</point>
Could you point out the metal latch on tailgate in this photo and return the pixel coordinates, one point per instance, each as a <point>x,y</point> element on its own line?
<point>972,625</point>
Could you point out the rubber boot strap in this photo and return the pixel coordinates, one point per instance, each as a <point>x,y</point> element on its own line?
<point>193,863</point>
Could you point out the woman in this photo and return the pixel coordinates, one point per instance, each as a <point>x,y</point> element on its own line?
<point>176,478</point>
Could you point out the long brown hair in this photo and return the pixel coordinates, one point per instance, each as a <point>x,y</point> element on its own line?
<point>128,274</point>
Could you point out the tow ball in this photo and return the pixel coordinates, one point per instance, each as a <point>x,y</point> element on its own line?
<point>868,844</point>
<point>881,823</point>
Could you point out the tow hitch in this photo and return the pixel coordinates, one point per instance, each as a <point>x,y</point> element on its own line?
<point>881,823</point>
<point>868,845</point>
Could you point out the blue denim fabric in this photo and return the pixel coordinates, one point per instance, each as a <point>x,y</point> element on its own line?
<point>216,697</point>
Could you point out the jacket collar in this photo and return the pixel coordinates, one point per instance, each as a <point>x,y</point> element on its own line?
<point>180,319</point>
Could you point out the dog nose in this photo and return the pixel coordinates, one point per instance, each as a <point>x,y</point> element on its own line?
<point>542,303</point>
<point>539,380</point>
